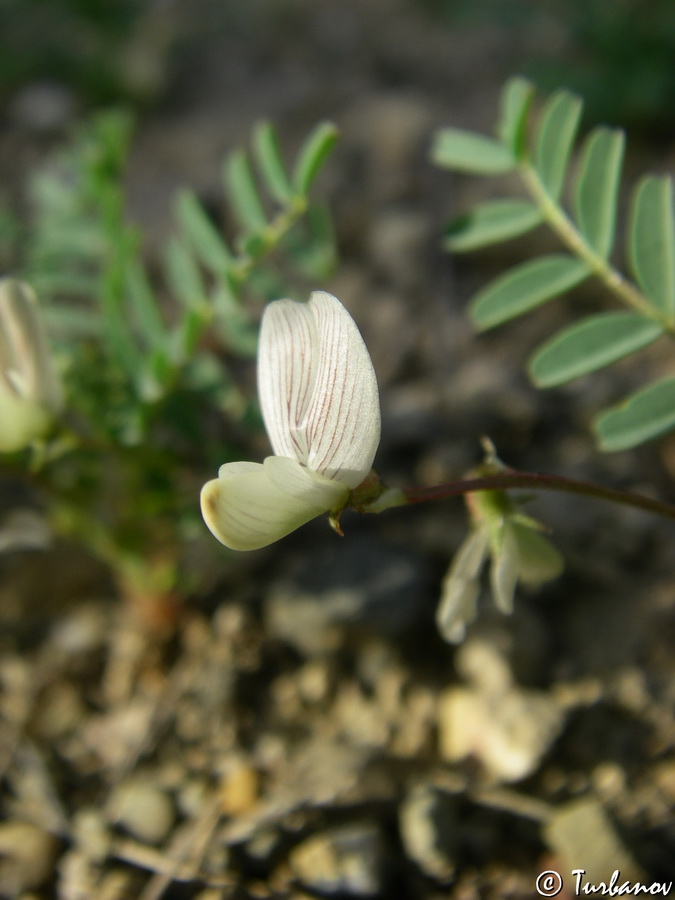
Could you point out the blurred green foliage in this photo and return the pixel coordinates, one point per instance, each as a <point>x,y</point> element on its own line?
<point>619,54</point>
<point>152,350</point>
<point>79,43</point>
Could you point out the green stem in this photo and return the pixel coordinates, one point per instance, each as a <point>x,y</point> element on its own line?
<point>270,237</point>
<point>510,479</point>
<point>563,226</point>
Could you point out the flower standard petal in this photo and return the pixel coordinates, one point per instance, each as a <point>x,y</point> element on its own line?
<point>246,508</point>
<point>287,363</point>
<point>343,420</point>
<point>30,390</point>
<point>317,387</point>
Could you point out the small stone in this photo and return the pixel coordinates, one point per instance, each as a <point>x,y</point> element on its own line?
<point>91,834</point>
<point>114,885</point>
<point>416,722</point>
<point>583,836</point>
<point>191,796</point>
<point>509,734</point>
<point>482,664</point>
<point>429,828</point>
<point>346,861</point>
<point>60,710</point>
<point>239,789</point>
<point>78,875</point>
<point>116,735</point>
<point>314,681</point>
<point>609,780</point>
<point>262,845</point>
<point>212,894</point>
<point>84,630</point>
<point>143,810</point>
<point>664,776</point>
<point>27,856</point>
<point>507,728</point>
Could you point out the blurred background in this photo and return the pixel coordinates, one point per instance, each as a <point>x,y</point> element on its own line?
<point>301,709</point>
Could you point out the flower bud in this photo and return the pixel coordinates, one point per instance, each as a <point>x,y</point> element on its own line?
<point>30,390</point>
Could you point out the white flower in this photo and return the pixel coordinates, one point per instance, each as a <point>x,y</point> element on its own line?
<point>320,405</point>
<point>30,391</point>
<point>518,550</point>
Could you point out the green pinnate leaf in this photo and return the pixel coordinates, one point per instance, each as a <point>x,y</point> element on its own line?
<point>72,322</point>
<point>525,287</point>
<point>591,344</point>
<point>187,334</point>
<point>144,304</point>
<point>598,187</point>
<point>516,101</point>
<point>454,148</point>
<point>651,246</point>
<point>491,222</point>
<point>313,155</point>
<point>555,137</point>
<point>183,274</point>
<point>202,234</point>
<point>156,374</point>
<point>243,192</point>
<point>313,248</point>
<point>645,415</point>
<point>271,164</point>
<point>116,329</point>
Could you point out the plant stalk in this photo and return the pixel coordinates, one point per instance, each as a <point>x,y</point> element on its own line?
<point>510,479</point>
<point>563,226</point>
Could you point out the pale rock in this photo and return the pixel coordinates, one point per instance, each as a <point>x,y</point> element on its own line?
<point>239,788</point>
<point>143,810</point>
<point>507,728</point>
<point>582,835</point>
<point>347,860</point>
<point>27,856</point>
<point>429,828</point>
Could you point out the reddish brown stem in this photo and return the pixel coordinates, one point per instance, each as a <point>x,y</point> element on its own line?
<point>510,479</point>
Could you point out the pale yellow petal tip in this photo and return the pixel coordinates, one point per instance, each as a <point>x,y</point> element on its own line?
<point>30,389</point>
<point>250,506</point>
<point>209,501</point>
<point>220,521</point>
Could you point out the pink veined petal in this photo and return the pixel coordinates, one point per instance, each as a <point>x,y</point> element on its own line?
<point>25,359</point>
<point>245,509</point>
<point>317,388</point>
<point>343,419</point>
<point>287,363</point>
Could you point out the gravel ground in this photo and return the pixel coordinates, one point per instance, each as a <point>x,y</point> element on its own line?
<point>301,730</point>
